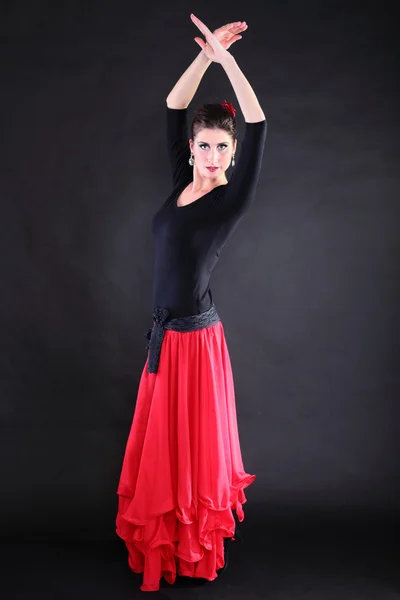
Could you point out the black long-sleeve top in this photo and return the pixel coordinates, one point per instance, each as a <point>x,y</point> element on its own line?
<point>189,239</point>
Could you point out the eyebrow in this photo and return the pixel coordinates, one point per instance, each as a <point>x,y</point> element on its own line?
<point>219,143</point>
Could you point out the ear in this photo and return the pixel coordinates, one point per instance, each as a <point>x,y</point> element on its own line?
<point>191,144</point>
<point>234,146</point>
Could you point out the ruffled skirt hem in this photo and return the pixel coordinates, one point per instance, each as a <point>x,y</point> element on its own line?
<point>187,542</point>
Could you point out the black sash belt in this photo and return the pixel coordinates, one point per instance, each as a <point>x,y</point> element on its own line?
<point>155,335</point>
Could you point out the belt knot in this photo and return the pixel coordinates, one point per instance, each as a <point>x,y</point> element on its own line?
<point>160,315</point>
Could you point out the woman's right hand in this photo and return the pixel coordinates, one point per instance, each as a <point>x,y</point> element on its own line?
<point>230,33</point>
<point>212,47</point>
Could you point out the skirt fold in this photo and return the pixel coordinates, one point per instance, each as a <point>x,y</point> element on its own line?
<point>182,473</point>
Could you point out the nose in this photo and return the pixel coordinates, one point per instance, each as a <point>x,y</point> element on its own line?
<point>213,157</point>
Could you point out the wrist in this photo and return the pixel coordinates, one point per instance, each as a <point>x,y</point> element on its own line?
<point>228,59</point>
<point>204,58</point>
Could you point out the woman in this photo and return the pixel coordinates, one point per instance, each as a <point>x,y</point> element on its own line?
<point>182,473</point>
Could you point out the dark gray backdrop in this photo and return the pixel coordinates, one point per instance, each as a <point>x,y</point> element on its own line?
<point>307,287</point>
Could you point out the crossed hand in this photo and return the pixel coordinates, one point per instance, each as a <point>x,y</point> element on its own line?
<point>218,42</point>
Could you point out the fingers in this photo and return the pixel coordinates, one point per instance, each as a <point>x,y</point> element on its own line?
<point>233,28</point>
<point>237,25</point>
<point>200,42</point>
<point>234,39</point>
<point>241,27</point>
<point>203,28</point>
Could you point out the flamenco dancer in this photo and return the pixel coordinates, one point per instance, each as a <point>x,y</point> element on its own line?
<point>182,473</point>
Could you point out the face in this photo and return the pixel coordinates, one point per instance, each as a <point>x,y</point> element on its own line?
<point>212,148</point>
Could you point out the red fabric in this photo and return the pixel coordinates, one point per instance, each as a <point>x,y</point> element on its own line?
<point>182,473</point>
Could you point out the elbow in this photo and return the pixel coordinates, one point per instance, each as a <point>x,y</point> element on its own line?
<point>174,104</point>
<point>257,117</point>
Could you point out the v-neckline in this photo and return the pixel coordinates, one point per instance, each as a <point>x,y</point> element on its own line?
<point>182,189</point>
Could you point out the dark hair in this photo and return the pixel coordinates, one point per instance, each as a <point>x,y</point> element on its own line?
<point>213,116</point>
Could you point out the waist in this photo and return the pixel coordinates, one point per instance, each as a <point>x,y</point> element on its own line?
<point>194,322</point>
<point>162,321</point>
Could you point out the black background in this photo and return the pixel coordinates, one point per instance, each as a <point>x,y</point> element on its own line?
<point>307,287</point>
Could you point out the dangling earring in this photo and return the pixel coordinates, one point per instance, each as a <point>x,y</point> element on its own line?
<point>233,159</point>
<point>191,161</point>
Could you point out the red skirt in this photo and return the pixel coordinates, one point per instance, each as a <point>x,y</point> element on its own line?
<point>182,472</point>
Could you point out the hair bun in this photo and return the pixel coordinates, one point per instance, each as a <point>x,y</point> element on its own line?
<point>229,107</point>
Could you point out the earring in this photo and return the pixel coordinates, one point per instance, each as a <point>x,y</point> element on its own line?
<point>191,161</point>
<point>233,160</point>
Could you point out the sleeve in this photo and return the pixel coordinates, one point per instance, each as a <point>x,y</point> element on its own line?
<point>178,144</point>
<point>243,182</point>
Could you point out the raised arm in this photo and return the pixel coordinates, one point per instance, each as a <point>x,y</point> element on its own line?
<point>185,88</point>
<point>244,179</point>
<point>245,95</point>
<point>177,132</point>
<point>180,97</point>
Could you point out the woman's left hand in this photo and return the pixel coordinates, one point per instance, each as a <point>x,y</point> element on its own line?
<point>213,49</point>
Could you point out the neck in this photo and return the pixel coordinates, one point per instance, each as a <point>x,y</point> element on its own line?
<point>201,184</point>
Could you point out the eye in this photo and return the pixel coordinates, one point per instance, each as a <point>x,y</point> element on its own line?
<point>220,146</point>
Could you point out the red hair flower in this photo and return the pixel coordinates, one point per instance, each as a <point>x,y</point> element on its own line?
<point>229,107</point>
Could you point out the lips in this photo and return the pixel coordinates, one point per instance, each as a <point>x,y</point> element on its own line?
<point>212,169</point>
